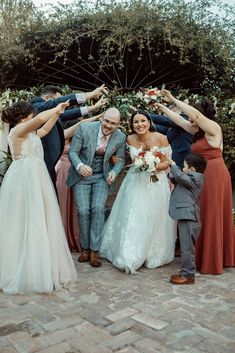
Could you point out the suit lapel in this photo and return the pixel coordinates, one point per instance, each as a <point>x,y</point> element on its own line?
<point>93,140</point>
<point>111,145</point>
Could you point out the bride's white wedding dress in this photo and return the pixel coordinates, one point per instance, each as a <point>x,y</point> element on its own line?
<point>34,255</point>
<point>139,230</point>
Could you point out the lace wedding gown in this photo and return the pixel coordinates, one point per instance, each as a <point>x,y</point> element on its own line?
<point>34,255</point>
<point>139,230</point>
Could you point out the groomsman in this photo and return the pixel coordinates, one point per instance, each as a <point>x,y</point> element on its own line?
<point>51,96</point>
<point>91,175</point>
<point>179,139</point>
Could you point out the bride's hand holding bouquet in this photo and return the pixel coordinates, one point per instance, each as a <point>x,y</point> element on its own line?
<point>149,161</point>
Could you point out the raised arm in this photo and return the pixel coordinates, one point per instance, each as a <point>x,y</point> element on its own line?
<point>176,118</point>
<point>188,180</point>
<point>209,126</point>
<point>47,118</point>
<point>101,103</point>
<point>68,133</point>
<point>96,93</point>
<point>162,120</point>
<point>72,114</point>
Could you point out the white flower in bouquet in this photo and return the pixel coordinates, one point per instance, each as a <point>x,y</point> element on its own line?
<point>152,95</point>
<point>147,161</point>
<point>150,161</point>
<point>139,95</point>
<point>138,162</point>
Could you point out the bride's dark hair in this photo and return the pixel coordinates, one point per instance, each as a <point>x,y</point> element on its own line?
<point>207,108</point>
<point>16,112</point>
<point>146,114</point>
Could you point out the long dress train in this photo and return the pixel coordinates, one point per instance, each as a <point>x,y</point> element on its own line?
<point>34,255</point>
<point>139,230</point>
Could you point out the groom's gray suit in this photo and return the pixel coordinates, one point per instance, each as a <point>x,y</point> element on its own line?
<point>184,207</point>
<point>90,193</point>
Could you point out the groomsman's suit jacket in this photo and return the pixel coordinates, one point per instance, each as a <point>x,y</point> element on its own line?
<point>53,143</point>
<point>179,139</point>
<point>83,148</point>
<point>184,200</point>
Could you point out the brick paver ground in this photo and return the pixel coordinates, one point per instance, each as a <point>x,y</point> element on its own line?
<point>108,311</point>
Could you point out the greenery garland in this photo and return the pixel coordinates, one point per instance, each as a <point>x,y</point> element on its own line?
<point>123,101</point>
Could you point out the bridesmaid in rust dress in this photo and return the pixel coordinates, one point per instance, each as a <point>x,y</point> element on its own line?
<point>215,248</point>
<point>65,196</point>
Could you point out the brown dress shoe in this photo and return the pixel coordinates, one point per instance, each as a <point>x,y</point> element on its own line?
<point>95,260</point>
<point>85,256</point>
<point>182,280</point>
<point>176,275</point>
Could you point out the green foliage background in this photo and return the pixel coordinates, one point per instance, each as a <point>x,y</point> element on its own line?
<point>123,101</point>
<point>126,44</point>
<point>177,42</point>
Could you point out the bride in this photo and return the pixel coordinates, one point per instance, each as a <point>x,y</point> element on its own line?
<point>139,230</point>
<point>34,255</point>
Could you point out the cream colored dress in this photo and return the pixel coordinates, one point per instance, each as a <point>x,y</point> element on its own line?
<point>34,255</point>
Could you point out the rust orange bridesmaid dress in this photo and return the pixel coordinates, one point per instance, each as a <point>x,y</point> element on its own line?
<point>215,248</point>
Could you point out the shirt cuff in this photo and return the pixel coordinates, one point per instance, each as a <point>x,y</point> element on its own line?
<point>81,97</point>
<point>84,111</point>
<point>78,166</point>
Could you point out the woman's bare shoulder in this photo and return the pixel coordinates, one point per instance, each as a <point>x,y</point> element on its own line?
<point>161,139</point>
<point>131,138</point>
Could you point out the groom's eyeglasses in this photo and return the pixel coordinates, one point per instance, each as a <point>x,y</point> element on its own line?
<point>111,123</point>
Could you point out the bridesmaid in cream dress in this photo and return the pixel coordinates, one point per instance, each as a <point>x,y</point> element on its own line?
<point>34,255</point>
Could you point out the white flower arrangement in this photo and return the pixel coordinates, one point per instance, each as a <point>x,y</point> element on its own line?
<point>148,161</point>
<point>152,95</point>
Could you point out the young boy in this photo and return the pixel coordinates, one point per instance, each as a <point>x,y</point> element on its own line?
<point>184,207</point>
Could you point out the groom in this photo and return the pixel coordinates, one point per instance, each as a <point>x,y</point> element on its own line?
<point>91,174</point>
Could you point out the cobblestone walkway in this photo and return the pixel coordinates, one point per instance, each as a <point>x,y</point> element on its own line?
<point>108,311</point>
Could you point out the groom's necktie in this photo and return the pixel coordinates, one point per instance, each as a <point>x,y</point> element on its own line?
<point>102,147</point>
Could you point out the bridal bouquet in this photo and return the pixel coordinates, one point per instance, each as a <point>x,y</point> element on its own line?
<point>149,96</point>
<point>154,94</point>
<point>147,161</point>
